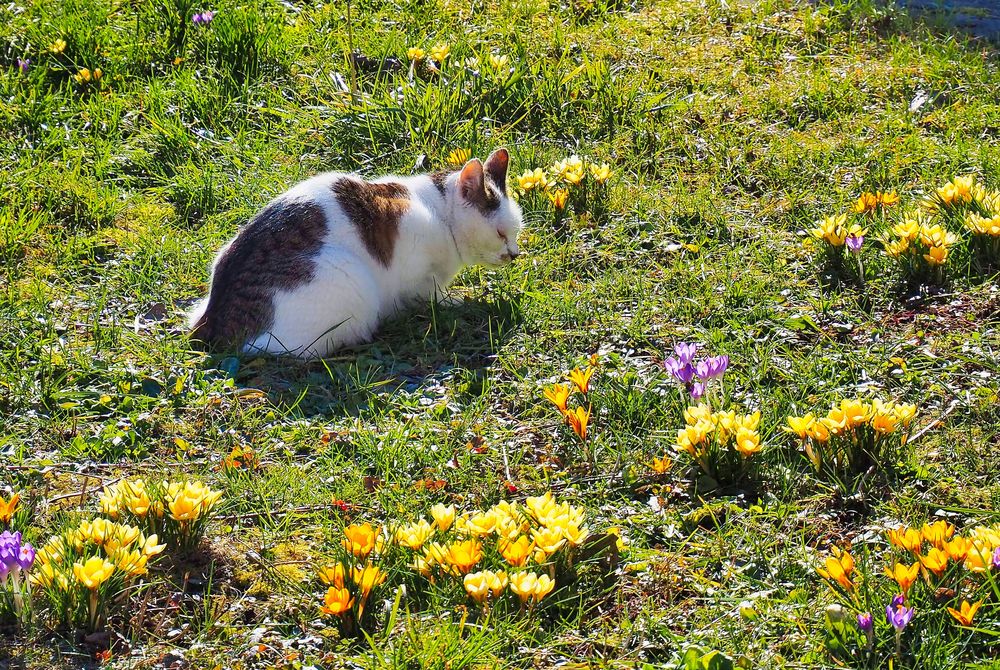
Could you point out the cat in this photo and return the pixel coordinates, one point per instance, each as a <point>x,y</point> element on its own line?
<point>325,262</point>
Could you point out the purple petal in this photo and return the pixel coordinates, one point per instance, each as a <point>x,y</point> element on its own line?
<point>854,243</point>
<point>865,621</point>
<point>686,351</point>
<point>682,372</point>
<point>26,557</point>
<point>196,19</point>
<point>898,600</point>
<point>697,390</point>
<point>996,559</point>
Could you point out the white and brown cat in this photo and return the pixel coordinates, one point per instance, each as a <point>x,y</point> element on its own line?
<point>328,260</point>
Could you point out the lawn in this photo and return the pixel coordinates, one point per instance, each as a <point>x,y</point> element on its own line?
<point>637,525</point>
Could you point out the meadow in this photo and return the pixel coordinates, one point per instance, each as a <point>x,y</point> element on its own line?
<point>735,405</point>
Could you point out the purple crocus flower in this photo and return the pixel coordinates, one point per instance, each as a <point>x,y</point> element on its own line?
<point>712,367</point>
<point>899,616</point>
<point>682,372</point>
<point>996,558</point>
<point>26,556</point>
<point>685,352</point>
<point>866,622</point>
<point>898,600</point>
<point>23,63</point>
<point>697,390</point>
<point>203,18</point>
<point>196,19</point>
<point>854,243</point>
<point>10,548</point>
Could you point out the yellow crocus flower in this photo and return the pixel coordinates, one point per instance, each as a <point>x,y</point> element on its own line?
<point>414,535</point>
<point>800,425</point>
<point>904,576</point>
<point>549,540</point>
<point>9,507</point>
<point>516,552</point>
<point>359,540</point>
<point>463,556</point>
<point>558,395</point>
<point>94,572</point>
<point>838,568</point>
<point>367,578</point>
<point>336,601</point>
<point>444,516</point>
<point>965,614</point>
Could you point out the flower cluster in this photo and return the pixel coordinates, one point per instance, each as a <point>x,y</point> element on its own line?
<point>87,76</point>
<point>16,557</point>
<point>438,54</point>
<point>695,375</point>
<point>869,202</point>
<point>566,183</point>
<point>962,216</point>
<point>837,234</point>
<point>559,395</point>
<point>484,552</point>
<point>87,570</point>
<point>983,227</point>
<point>929,567</point>
<point>854,436</point>
<point>240,459</point>
<point>178,512</point>
<point>921,247</point>
<point>720,443</point>
<point>202,18</point>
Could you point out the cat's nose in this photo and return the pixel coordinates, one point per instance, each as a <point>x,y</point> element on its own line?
<point>510,255</point>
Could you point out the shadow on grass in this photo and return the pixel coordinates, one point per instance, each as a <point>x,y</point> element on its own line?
<point>976,18</point>
<point>413,353</point>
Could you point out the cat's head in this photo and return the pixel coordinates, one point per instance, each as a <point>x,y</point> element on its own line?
<point>488,219</point>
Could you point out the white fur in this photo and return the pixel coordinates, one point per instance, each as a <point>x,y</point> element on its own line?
<point>351,292</point>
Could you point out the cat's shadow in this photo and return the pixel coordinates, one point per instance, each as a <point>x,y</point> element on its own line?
<point>422,355</point>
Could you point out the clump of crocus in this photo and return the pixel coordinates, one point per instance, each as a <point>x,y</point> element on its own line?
<point>869,203</point>
<point>484,553</point>
<point>202,18</point>
<point>177,512</point>
<point>921,248</point>
<point>577,418</point>
<point>695,374</point>
<point>90,570</point>
<point>982,224</point>
<point>854,436</point>
<point>834,232</point>
<point>720,443</point>
<point>16,559</point>
<point>572,182</point>
<point>85,76</point>
<point>241,459</point>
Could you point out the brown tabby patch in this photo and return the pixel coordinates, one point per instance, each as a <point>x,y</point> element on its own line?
<point>440,179</point>
<point>273,252</point>
<point>486,199</point>
<point>375,210</point>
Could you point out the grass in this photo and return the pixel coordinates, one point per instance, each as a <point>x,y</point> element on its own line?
<point>730,126</point>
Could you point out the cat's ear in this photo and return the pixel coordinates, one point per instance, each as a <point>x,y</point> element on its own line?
<point>496,168</point>
<point>470,182</point>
